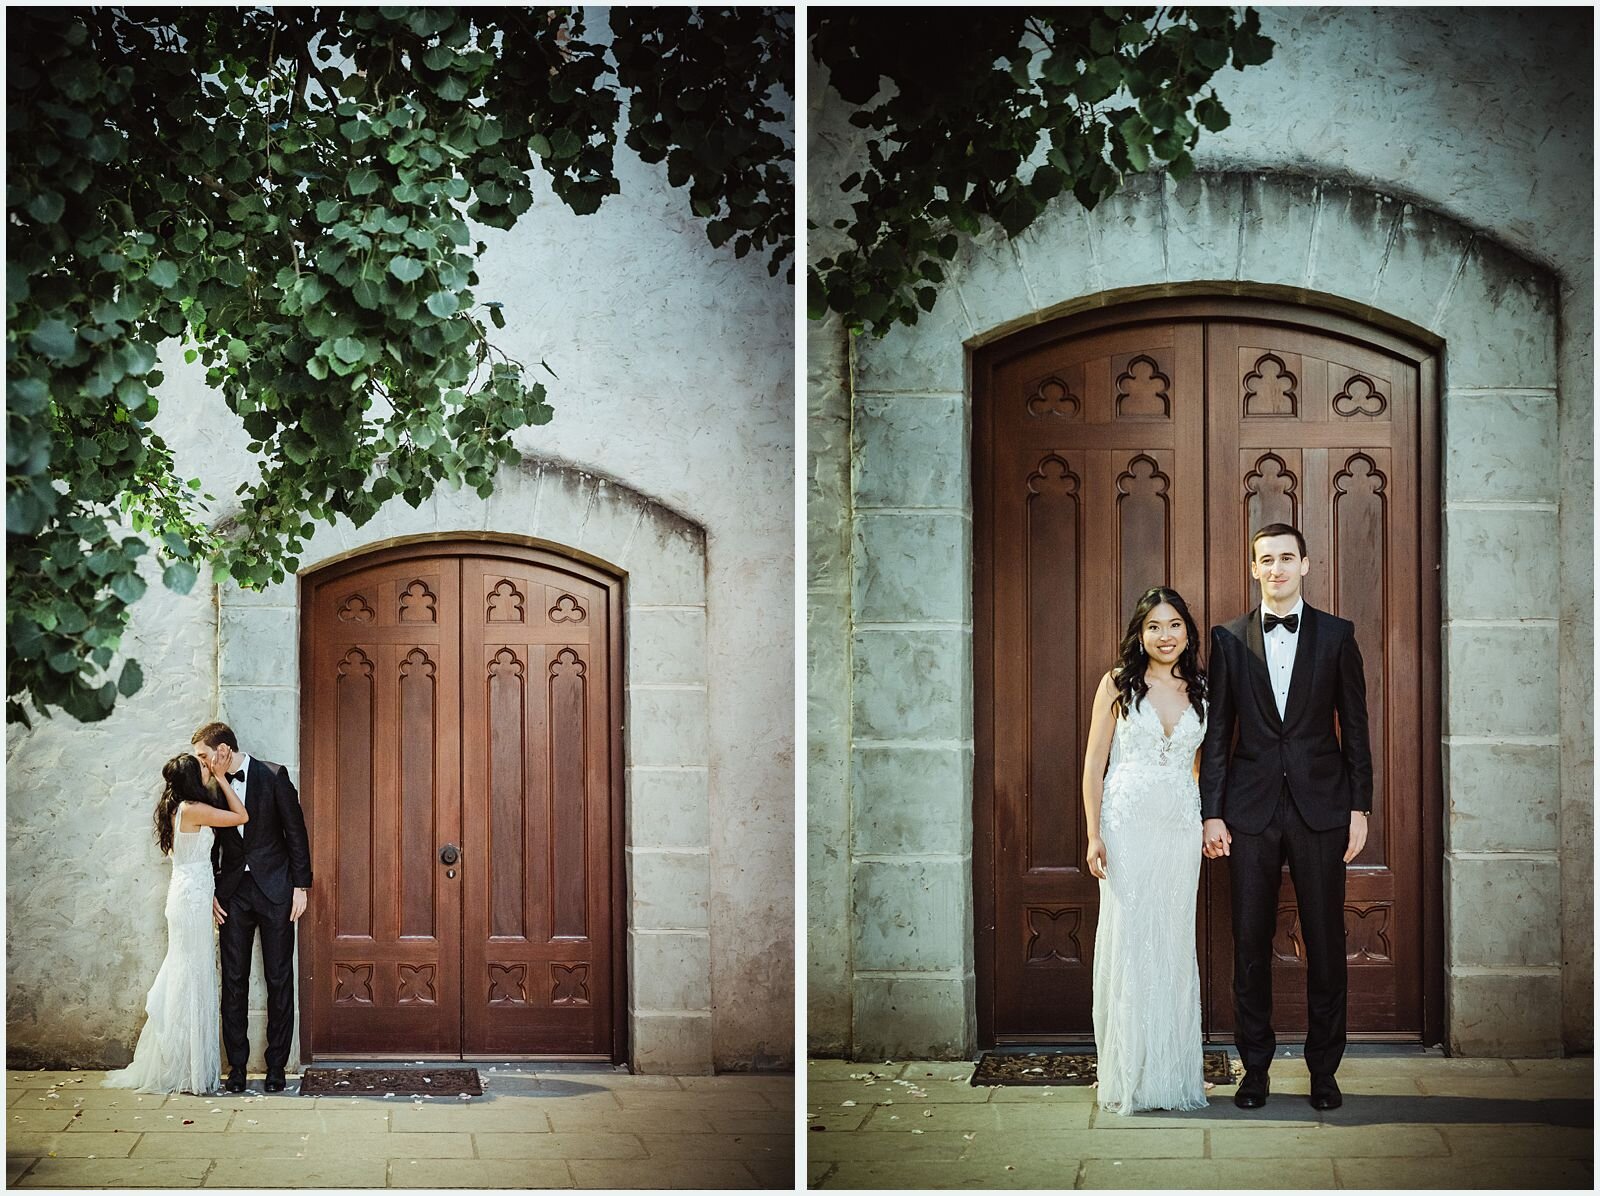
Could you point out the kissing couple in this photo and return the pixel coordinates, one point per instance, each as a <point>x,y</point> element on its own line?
<point>241,864</point>
<point>1166,782</point>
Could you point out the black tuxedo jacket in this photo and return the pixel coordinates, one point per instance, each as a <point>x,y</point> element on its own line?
<point>1328,775</point>
<point>273,842</point>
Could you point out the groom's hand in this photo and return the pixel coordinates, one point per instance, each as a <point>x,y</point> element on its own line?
<point>218,914</point>
<point>298,905</point>
<point>1358,835</point>
<point>1216,841</point>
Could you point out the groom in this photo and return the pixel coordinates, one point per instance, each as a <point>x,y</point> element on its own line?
<point>1290,788</point>
<point>263,877</point>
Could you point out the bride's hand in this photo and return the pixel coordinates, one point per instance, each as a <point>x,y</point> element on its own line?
<point>1095,857</point>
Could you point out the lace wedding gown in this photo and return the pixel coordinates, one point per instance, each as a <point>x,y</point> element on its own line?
<point>180,1047</point>
<point>1146,979</point>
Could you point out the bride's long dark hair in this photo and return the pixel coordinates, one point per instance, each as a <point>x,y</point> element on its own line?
<point>183,783</point>
<point>1128,676</point>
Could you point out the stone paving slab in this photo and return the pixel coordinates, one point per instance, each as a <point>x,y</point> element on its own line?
<point>1203,1173</point>
<point>664,1173</point>
<point>719,1146</point>
<point>290,1146</point>
<point>478,1173</point>
<point>329,1171</point>
<point>558,1146</point>
<point>1009,1146</point>
<point>69,1145</point>
<point>154,1121</point>
<point>1326,1141</point>
<point>964,1118</point>
<point>522,1117</point>
<point>937,1176</point>
<point>41,1121</point>
<point>1515,1174</point>
<point>114,1173</point>
<point>88,1098</point>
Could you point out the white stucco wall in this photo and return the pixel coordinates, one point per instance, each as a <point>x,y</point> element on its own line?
<point>675,366</point>
<point>1481,116</point>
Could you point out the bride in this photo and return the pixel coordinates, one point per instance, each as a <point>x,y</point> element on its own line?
<point>180,1046</point>
<point>1143,816</point>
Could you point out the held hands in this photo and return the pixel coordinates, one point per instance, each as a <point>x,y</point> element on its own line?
<point>1215,839</point>
<point>1095,857</point>
<point>1358,835</point>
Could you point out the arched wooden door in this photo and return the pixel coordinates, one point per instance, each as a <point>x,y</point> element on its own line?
<point>461,707</point>
<point>1141,447</point>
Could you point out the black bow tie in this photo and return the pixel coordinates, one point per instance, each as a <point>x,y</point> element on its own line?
<point>1292,622</point>
<point>239,776</point>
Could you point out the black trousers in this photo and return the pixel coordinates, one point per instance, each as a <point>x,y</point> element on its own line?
<point>1316,864</point>
<point>249,910</point>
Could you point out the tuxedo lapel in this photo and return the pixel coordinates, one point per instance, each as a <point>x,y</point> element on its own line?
<point>1305,665</point>
<point>1260,676</point>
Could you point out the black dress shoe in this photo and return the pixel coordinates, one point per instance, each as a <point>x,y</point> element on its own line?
<point>1325,1093</point>
<point>275,1081</point>
<point>1252,1093</point>
<point>236,1080</point>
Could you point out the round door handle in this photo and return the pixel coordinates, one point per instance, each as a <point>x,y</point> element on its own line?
<point>448,854</point>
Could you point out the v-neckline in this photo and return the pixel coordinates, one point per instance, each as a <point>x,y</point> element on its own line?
<point>1160,722</point>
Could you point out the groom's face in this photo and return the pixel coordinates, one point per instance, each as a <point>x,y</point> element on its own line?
<point>1280,569</point>
<point>214,758</point>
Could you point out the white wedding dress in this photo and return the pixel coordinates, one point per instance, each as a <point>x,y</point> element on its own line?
<point>1146,979</point>
<point>180,1047</point>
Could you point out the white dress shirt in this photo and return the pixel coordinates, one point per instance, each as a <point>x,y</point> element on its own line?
<point>1281,644</point>
<point>241,763</point>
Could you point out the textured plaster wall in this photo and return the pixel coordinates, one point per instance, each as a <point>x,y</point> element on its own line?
<point>675,367</point>
<point>1382,157</point>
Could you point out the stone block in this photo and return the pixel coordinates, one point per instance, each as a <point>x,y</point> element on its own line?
<point>927,358</point>
<point>267,721</point>
<point>459,509</point>
<point>259,646</point>
<point>407,520</point>
<point>912,566</point>
<point>1499,448</point>
<point>1425,253</point>
<point>1129,236</point>
<point>989,281</point>
<point>284,595</point>
<point>1503,797</point>
<point>827,355</point>
<point>1505,1015</point>
<point>828,505</point>
<point>1057,254</point>
<point>613,517</point>
<point>1353,229</point>
<point>1500,322</point>
<point>672,1044</point>
<point>1275,232</point>
<point>667,646</point>
<point>1504,911</point>
<point>913,1016</point>
<point>1202,225</point>
<point>912,684</point>
<point>668,807</point>
<point>666,726</point>
<point>666,563</point>
<point>1500,680</point>
<point>1494,563</point>
<point>670,971</point>
<point>565,497</point>
<point>907,800</point>
<point>912,452</point>
<point>912,915</point>
<point>827,669</point>
<point>669,889</point>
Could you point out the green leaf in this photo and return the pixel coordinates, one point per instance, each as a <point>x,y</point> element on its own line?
<point>129,587</point>
<point>179,576</point>
<point>363,180</point>
<point>54,339</point>
<point>442,304</point>
<point>406,269</point>
<point>131,680</point>
<point>540,144</point>
<point>46,207</point>
<point>163,274</point>
<point>349,349</point>
<point>495,316</point>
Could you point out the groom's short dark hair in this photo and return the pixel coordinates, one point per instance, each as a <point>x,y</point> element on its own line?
<point>214,733</point>
<point>1277,529</point>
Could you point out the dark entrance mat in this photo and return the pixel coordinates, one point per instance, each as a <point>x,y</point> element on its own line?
<point>1062,1070</point>
<point>401,1081</point>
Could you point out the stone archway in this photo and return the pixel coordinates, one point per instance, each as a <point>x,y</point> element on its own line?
<point>903,403</point>
<point>665,748</point>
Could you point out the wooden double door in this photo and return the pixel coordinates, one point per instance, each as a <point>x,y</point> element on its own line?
<point>461,739</point>
<point>1143,447</point>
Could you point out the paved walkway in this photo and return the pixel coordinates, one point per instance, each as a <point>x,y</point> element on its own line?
<point>1414,1120</point>
<point>529,1129</point>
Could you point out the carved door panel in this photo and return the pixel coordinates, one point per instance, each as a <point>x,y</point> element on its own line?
<point>1097,495</point>
<point>536,753</point>
<point>1144,449</point>
<point>1322,432</point>
<point>382,792</point>
<point>463,697</point>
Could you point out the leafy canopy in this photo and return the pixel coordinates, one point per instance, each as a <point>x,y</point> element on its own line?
<point>959,102</point>
<point>288,192</point>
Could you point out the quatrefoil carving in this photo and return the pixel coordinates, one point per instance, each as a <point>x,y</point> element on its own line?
<point>418,604</point>
<point>1366,933</point>
<point>506,603</point>
<point>1287,943</point>
<point>1054,935</point>
<point>569,984</point>
<point>1142,391</point>
<point>1360,396</point>
<point>352,984</point>
<point>1053,477</point>
<point>508,984</point>
<point>354,609</point>
<point>1054,397</point>
<point>567,610</point>
<point>1269,388</point>
<point>416,985</point>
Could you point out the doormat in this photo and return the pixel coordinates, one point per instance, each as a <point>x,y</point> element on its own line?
<point>1062,1070</point>
<point>398,1081</point>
